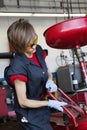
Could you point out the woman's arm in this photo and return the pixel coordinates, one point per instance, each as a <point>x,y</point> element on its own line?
<point>24,102</point>
<point>49,75</point>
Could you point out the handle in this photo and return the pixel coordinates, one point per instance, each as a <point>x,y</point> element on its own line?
<point>68,112</point>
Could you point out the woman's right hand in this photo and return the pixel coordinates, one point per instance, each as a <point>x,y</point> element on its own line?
<point>56,104</point>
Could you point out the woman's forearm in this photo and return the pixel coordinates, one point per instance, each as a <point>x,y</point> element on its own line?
<point>27,103</point>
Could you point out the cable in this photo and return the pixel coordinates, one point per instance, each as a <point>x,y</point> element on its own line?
<point>79,7</point>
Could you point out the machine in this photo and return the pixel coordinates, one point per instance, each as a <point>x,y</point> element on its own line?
<point>71,34</point>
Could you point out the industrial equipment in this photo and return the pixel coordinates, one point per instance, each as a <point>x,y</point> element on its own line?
<point>71,34</point>
<point>65,78</point>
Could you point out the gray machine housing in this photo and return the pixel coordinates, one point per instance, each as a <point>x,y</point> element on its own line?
<point>65,78</point>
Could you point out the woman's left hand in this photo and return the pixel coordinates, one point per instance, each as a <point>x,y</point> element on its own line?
<point>51,86</point>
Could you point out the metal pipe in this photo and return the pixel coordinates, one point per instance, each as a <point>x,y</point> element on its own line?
<point>68,11</point>
<point>7,55</point>
<point>18,4</point>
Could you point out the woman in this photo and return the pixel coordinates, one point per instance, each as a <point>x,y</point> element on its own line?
<point>29,76</point>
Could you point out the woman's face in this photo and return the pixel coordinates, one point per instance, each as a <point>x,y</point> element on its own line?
<point>31,47</point>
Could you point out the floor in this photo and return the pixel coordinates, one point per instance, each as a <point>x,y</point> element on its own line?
<point>10,125</point>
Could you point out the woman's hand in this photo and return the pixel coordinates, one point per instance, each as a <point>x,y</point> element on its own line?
<point>51,86</point>
<point>56,104</point>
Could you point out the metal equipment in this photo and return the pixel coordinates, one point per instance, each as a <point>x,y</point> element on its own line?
<point>73,118</point>
<point>70,34</point>
<point>6,95</point>
<point>65,78</point>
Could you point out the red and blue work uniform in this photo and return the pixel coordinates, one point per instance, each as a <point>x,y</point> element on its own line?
<point>35,75</point>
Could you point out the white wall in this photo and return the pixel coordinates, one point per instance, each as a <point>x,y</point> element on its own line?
<point>40,25</point>
<point>3,44</point>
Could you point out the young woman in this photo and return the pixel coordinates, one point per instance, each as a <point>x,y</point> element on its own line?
<point>29,76</point>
